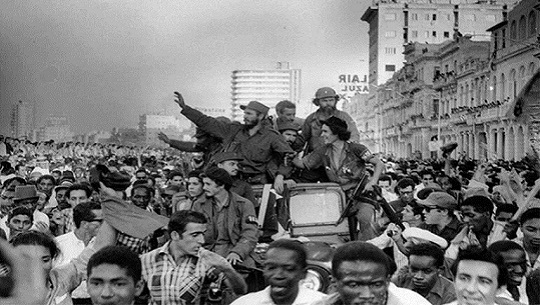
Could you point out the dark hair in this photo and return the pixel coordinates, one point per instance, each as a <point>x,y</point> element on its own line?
<point>83,212</point>
<point>359,251</point>
<point>120,256</point>
<point>142,185</point>
<point>507,208</point>
<point>504,246</point>
<point>46,177</point>
<point>426,172</point>
<point>532,213</point>
<point>180,219</point>
<point>480,204</point>
<point>36,238</point>
<point>293,245</point>
<point>22,210</point>
<point>404,183</point>
<point>195,174</point>
<point>340,130</point>
<point>385,178</point>
<point>428,249</point>
<point>141,170</point>
<point>484,255</point>
<point>172,174</point>
<point>284,105</point>
<point>79,186</point>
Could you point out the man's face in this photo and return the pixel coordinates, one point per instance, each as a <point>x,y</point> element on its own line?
<point>504,216</point>
<point>288,114</point>
<point>531,232</point>
<point>282,272</point>
<point>19,224</point>
<point>176,180</point>
<point>22,171</point>
<point>327,104</point>
<point>385,185</point>
<point>191,240</point>
<point>360,282</point>
<point>474,219</point>
<point>61,196</point>
<point>290,136</point>
<point>76,197</point>
<point>195,187</point>
<point>56,175</point>
<point>231,166</point>
<point>46,185</point>
<point>210,187</point>
<point>434,215</point>
<point>476,282</point>
<point>424,272</point>
<point>516,263</point>
<point>406,194</point>
<point>110,284</point>
<point>328,136</point>
<point>427,179</point>
<point>93,225</point>
<point>140,197</point>
<point>445,183</point>
<point>251,117</point>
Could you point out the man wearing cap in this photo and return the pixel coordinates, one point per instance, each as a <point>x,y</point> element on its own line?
<point>232,226</point>
<point>326,98</point>
<point>26,195</point>
<point>229,162</point>
<point>439,215</point>
<point>262,148</point>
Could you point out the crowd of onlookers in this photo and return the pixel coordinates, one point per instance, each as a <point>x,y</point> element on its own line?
<point>117,224</point>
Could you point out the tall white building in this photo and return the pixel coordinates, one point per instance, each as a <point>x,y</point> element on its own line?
<point>22,119</point>
<point>394,23</point>
<point>266,86</point>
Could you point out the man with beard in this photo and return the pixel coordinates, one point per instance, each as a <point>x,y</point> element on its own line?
<point>284,267</point>
<point>326,98</point>
<point>516,264</point>
<point>262,148</point>
<point>423,275</point>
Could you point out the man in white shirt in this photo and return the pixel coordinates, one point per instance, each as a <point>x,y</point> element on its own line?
<point>87,218</point>
<point>284,268</point>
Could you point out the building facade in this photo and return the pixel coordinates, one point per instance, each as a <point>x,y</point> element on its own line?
<point>152,124</point>
<point>467,95</point>
<point>22,119</point>
<point>56,128</point>
<point>266,86</point>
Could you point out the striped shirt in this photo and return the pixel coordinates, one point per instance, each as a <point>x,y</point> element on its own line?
<point>172,282</point>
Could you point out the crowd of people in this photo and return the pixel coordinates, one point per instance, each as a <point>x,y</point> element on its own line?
<point>111,224</point>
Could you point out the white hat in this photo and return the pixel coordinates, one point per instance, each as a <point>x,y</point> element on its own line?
<point>425,235</point>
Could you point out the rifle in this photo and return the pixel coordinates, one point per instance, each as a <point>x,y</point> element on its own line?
<point>388,209</point>
<point>357,192</point>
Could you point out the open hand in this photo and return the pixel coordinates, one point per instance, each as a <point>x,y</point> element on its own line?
<point>163,137</point>
<point>179,100</point>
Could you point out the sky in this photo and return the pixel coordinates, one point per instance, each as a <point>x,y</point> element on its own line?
<point>103,63</point>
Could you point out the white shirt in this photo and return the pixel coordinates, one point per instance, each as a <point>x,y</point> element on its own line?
<point>305,296</point>
<point>70,247</point>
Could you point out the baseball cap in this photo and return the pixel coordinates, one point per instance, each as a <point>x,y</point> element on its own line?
<point>257,106</point>
<point>440,199</point>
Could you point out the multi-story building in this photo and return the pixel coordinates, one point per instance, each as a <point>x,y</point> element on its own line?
<point>266,86</point>
<point>56,128</point>
<point>152,124</point>
<point>471,95</point>
<point>22,119</point>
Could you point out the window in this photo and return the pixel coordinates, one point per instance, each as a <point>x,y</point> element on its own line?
<point>503,38</point>
<point>390,16</point>
<point>434,17</point>
<point>434,33</point>
<point>446,34</point>
<point>513,30</point>
<point>390,34</point>
<point>390,68</point>
<point>532,23</point>
<point>390,50</point>
<point>414,16</point>
<point>414,34</point>
<point>522,28</point>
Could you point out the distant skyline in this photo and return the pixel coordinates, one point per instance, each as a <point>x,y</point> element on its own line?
<point>102,63</point>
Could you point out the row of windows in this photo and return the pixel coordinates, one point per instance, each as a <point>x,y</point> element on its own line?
<point>523,29</point>
<point>428,34</point>
<point>433,17</point>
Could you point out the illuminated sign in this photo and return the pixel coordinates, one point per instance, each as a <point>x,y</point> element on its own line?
<point>353,83</point>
